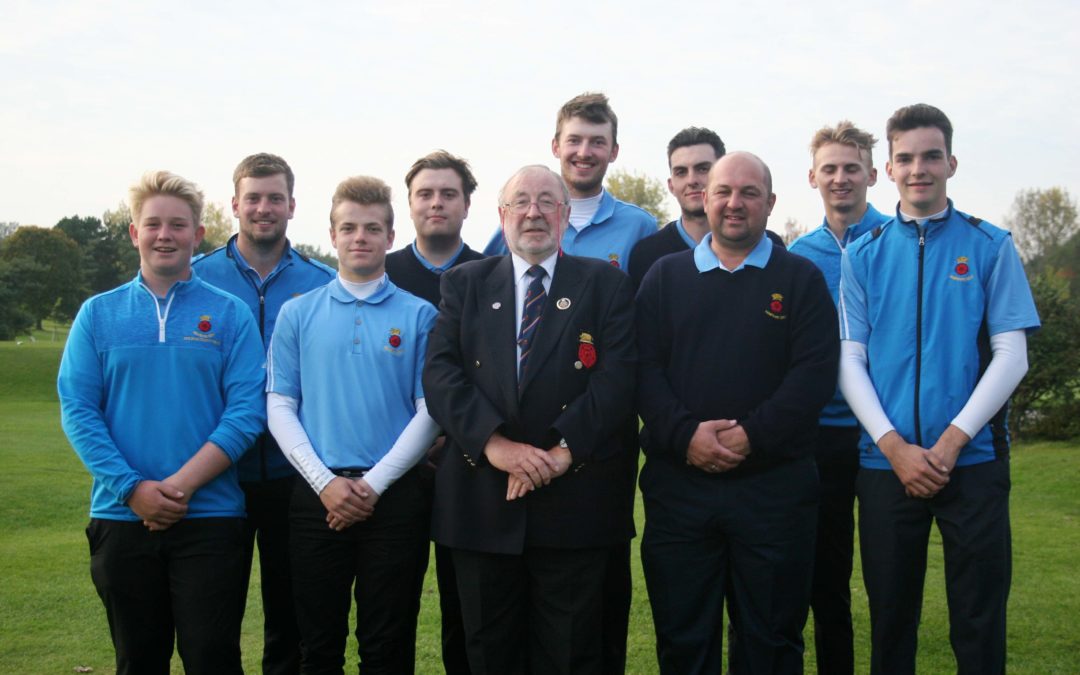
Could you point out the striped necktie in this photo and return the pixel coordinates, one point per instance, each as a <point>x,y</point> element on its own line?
<point>530,316</point>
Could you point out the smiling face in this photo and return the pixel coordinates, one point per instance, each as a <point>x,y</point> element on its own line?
<point>437,203</point>
<point>533,234</point>
<point>584,150</point>
<point>842,174</point>
<point>921,165</point>
<point>264,208</point>
<point>689,174</point>
<point>738,201</point>
<point>166,234</point>
<point>361,235</point>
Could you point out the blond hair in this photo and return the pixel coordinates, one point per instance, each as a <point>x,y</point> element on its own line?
<point>154,183</point>
<point>364,190</point>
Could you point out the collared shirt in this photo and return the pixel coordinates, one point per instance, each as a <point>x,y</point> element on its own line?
<point>437,269</point>
<point>355,367</point>
<point>705,259</point>
<point>521,285</point>
<point>690,243</point>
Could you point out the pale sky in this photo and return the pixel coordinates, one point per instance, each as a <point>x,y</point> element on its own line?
<point>96,93</point>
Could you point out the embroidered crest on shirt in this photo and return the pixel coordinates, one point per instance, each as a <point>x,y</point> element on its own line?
<point>586,350</point>
<point>776,308</point>
<point>613,260</point>
<point>394,341</point>
<point>203,331</point>
<point>962,270</point>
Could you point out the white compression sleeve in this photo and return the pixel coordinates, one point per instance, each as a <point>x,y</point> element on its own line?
<point>407,451</point>
<point>1007,367</point>
<point>859,391</point>
<point>284,424</point>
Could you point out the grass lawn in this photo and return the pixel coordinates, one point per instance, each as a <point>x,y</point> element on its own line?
<point>52,621</point>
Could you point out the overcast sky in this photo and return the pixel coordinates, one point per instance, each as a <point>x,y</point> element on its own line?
<point>96,93</point>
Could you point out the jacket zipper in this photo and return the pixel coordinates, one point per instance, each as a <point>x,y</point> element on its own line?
<point>918,334</point>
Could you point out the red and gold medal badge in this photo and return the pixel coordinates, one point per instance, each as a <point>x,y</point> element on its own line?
<point>395,338</point>
<point>613,260</point>
<point>776,306</point>
<point>962,270</point>
<point>586,351</point>
<point>204,323</point>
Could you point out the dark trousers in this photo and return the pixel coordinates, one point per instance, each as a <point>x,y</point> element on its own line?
<point>538,612</point>
<point>184,581</point>
<point>618,587</point>
<point>837,456</point>
<point>454,657</point>
<point>455,661</point>
<point>268,525</point>
<point>381,560</point>
<point>972,514</point>
<point>702,531</point>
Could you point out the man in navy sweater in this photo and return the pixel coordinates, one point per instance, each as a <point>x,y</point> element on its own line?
<point>440,191</point>
<point>730,389</point>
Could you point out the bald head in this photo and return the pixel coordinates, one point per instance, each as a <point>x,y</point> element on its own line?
<point>742,157</point>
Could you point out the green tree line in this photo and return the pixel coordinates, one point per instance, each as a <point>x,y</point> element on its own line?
<point>47,272</point>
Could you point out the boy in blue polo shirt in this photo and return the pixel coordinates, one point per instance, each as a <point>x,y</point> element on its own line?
<point>346,406</point>
<point>934,312</point>
<point>160,394</point>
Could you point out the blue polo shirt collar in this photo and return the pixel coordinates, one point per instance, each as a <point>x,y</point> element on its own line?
<point>338,292</point>
<point>438,269</point>
<point>246,268</point>
<point>706,260</point>
<point>690,243</point>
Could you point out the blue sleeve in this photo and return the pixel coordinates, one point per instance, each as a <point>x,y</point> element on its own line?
<point>497,245</point>
<point>283,363</point>
<point>244,416</point>
<point>81,386</point>
<point>852,309</point>
<point>1009,305</point>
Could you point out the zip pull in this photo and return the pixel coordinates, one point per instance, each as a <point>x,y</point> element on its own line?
<point>922,236</point>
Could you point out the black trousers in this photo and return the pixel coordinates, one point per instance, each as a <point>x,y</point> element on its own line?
<point>618,587</point>
<point>703,531</point>
<point>381,561</point>
<point>184,581</point>
<point>972,514</point>
<point>267,525</point>
<point>837,456</point>
<point>538,612</point>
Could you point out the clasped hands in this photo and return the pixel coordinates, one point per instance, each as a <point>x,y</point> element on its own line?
<point>923,472</point>
<point>718,446</point>
<point>528,467</point>
<point>348,501</point>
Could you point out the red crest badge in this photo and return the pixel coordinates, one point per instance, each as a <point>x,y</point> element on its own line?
<point>776,306</point>
<point>204,324</point>
<point>586,350</point>
<point>395,338</point>
<point>613,260</point>
<point>962,267</point>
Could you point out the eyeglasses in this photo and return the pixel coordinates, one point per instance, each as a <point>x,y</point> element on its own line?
<point>521,206</point>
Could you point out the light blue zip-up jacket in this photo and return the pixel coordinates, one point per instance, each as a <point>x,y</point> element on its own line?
<point>925,299</point>
<point>145,382</point>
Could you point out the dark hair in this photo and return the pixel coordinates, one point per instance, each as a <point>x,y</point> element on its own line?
<point>441,159</point>
<point>695,136</point>
<point>916,116</point>
<point>261,165</point>
<point>591,106</point>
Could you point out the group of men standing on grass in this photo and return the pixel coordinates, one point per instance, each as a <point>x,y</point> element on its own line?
<point>491,403</point>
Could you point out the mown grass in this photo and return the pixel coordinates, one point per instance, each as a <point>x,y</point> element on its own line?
<point>52,621</point>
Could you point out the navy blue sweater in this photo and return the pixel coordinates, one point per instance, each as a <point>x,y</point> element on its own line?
<point>760,346</point>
